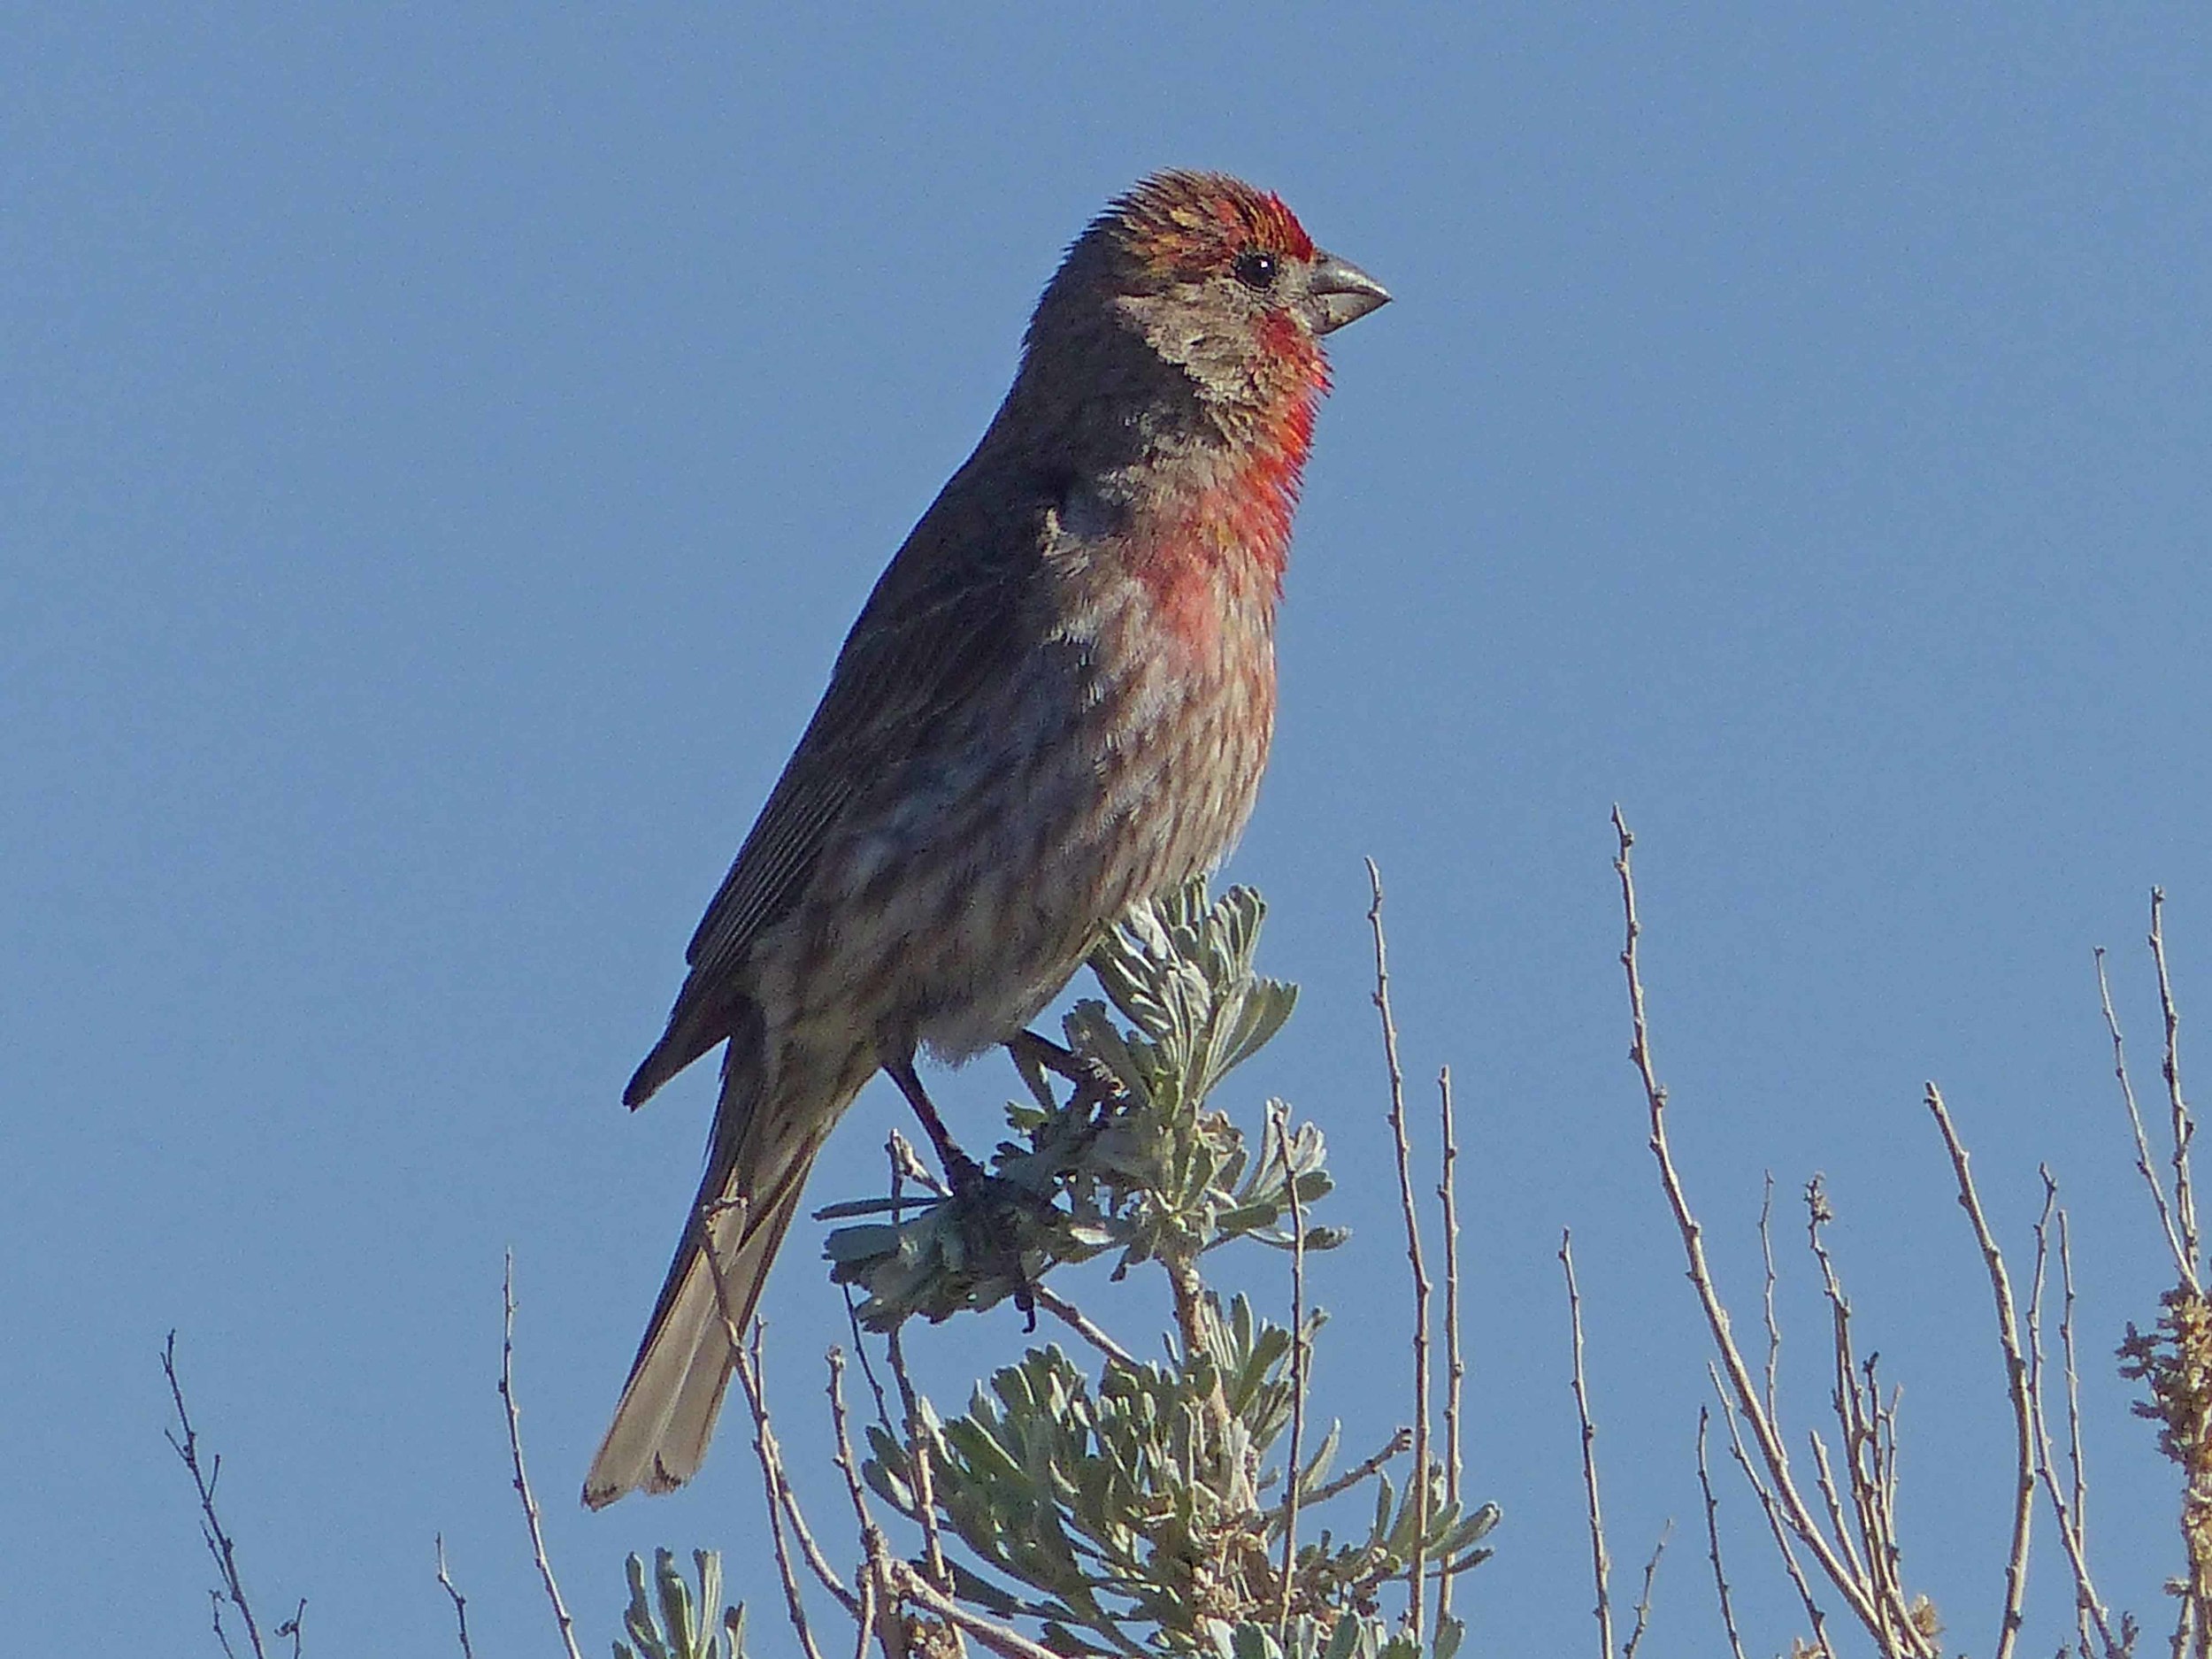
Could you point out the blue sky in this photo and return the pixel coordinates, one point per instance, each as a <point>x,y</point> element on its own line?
<point>442,452</point>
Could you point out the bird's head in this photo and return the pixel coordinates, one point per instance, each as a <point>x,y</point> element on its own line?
<point>1220,280</point>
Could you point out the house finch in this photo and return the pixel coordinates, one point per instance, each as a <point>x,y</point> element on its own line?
<point>1058,702</point>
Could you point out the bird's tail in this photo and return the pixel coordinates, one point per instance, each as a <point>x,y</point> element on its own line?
<point>763,1148</point>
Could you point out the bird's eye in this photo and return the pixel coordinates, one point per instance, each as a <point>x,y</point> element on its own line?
<point>1255,269</point>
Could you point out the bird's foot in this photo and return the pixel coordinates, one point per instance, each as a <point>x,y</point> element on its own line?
<point>1094,1085</point>
<point>995,1213</point>
<point>992,1212</point>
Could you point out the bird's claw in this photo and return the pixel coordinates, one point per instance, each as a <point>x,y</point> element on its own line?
<point>1094,1085</point>
<point>989,1205</point>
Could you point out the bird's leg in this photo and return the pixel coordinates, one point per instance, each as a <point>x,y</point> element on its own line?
<point>960,1169</point>
<point>1094,1085</point>
<point>1035,1048</point>
<point>969,1180</point>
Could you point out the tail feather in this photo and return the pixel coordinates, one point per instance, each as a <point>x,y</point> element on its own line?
<point>663,1426</point>
<point>757,1169</point>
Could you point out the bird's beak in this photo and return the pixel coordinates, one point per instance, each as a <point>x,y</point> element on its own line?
<point>1341,293</point>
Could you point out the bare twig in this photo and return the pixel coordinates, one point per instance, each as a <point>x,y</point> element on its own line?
<point>908,1165</point>
<point>1882,1484</point>
<point>1061,1308</point>
<point>185,1440</point>
<point>522,1476</point>
<point>1784,1493</point>
<point>1395,1447</point>
<point>1830,1496</point>
<point>215,1606</point>
<point>921,1444</point>
<point>2079,1469</point>
<point>2184,1129</point>
<point>1774,1327</point>
<point>1416,1568</point>
<point>1454,1361</point>
<point>860,1349</point>
<point>1643,1600</point>
<point>1712,1540</point>
<point>460,1605</point>
<point>1772,1509</point>
<point>865,1620</point>
<point>848,1464</point>
<point>871,1534</point>
<point>1299,1360</point>
<point>2184,1261</point>
<point>2174,1401</point>
<point>1003,1640</point>
<point>783,1498</point>
<point>2089,1609</point>
<point>1857,1418</point>
<point>1600,1564</point>
<point>2015,1376</point>
<point>778,1486</point>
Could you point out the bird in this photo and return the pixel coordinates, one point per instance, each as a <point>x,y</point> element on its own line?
<point>1058,702</point>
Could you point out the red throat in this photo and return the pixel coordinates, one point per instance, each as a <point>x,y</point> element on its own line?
<point>1225,546</point>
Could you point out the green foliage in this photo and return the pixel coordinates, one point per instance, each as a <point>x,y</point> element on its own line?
<point>1356,1638</point>
<point>2175,1360</point>
<point>1137,1164</point>
<point>1134,1500</point>
<point>1130,1501</point>
<point>1115,1502</point>
<point>1143,1508</point>
<point>1176,1176</point>
<point>673,1629</point>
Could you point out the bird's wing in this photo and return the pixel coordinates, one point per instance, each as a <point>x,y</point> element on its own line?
<point>944,620</point>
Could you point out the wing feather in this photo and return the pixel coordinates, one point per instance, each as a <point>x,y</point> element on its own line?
<point>945,620</point>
